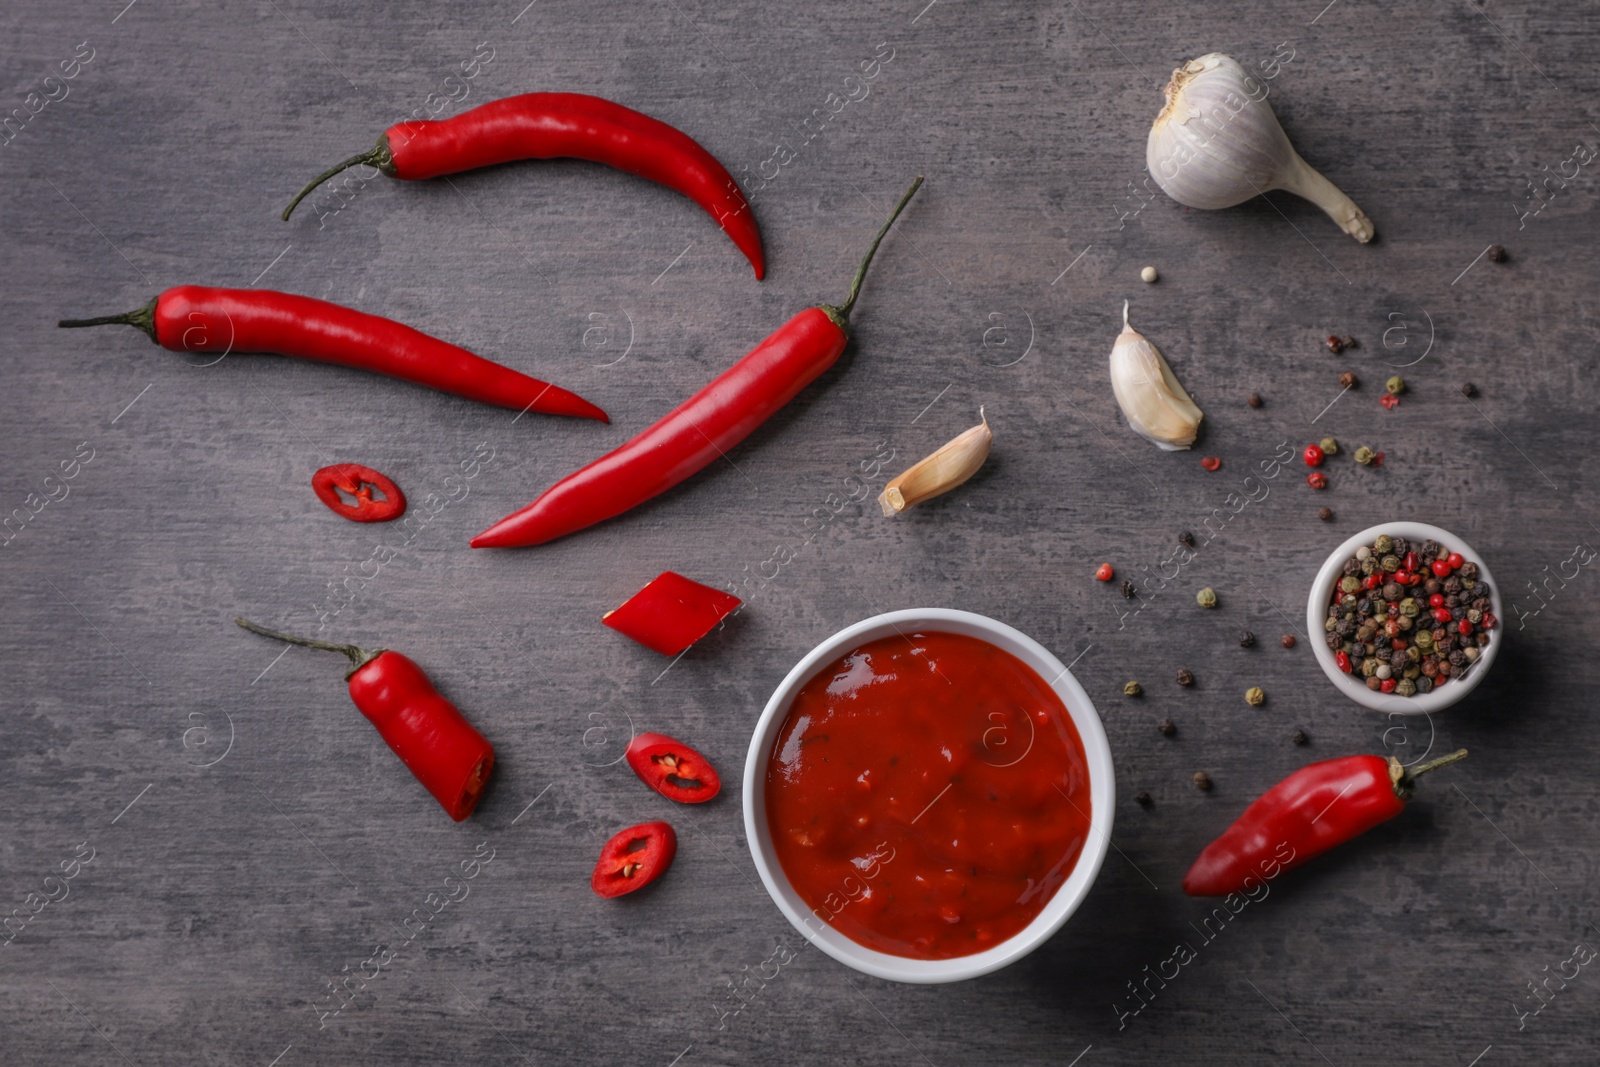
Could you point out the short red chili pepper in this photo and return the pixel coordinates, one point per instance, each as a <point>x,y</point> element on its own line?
<point>429,734</point>
<point>563,125</point>
<point>1211,463</point>
<point>673,769</point>
<point>1303,816</point>
<point>671,613</point>
<point>198,318</point>
<point>698,432</point>
<point>1314,455</point>
<point>633,859</point>
<point>359,482</point>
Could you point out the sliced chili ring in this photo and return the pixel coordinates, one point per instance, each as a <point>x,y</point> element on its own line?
<point>359,482</point>
<point>633,859</point>
<point>673,769</point>
<point>671,613</point>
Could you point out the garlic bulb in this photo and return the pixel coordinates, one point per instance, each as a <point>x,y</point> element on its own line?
<point>951,464</point>
<point>1157,407</point>
<point>1217,143</point>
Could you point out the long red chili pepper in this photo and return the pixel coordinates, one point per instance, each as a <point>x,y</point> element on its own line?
<point>557,125</point>
<point>427,732</point>
<point>698,431</point>
<point>1303,816</point>
<point>197,318</point>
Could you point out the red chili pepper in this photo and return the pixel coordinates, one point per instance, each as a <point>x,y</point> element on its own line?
<point>429,734</point>
<point>198,318</point>
<point>671,613</point>
<point>1308,813</point>
<point>359,482</point>
<point>697,432</point>
<point>563,125</point>
<point>633,859</point>
<point>673,769</point>
<point>1389,400</point>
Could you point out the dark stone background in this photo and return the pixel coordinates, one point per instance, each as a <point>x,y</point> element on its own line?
<point>253,841</point>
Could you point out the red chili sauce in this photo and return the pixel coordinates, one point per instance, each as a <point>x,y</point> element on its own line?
<point>927,795</point>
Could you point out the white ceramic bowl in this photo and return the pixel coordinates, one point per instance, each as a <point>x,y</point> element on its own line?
<point>1102,794</point>
<point>1351,685</point>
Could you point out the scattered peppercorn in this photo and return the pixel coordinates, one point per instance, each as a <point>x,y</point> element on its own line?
<point>1185,677</point>
<point>1104,572</point>
<point>1132,689</point>
<point>1211,463</point>
<point>1287,641</point>
<point>1349,342</point>
<point>1206,598</point>
<point>1329,446</point>
<point>1299,737</point>
<point>1325,514</point>
<point>1313,455</point>
<point>1496,254</point>
<point>1150,274</point>
<point>1468,389</point>
<point>1127,589</point>
<point>1186,539</point>
<point>1143,799</point>
<point>1167,727</point>
<point>1202,781</point>
<point>1254,696</point>
<point>1254,400</point>
<point>1334,344</point>
<point>1364,455</point>
<point>1348,380</point>
<point>1247,639</point>
<point>1317,480</point>
<point>1377,457</point>
<point>1395,385</point>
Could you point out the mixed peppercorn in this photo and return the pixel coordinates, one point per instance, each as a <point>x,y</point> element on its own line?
<point>1408,617</point>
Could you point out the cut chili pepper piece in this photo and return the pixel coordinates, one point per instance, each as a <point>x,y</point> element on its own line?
<point>673,769</point>
<point>671,613</point>
<point>359,482</point>
<point>633,859</point>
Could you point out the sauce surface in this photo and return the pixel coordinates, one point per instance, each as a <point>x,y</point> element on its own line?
<point>927,795</point>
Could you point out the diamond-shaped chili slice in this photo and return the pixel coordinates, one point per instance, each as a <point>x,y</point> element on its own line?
<point>673,769</point>
<point>633,859</point>
<point>671,613</point>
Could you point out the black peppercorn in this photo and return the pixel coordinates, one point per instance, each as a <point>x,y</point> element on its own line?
<point>1287,640</point>
<point>1469,390</point>
<point>1143,799</point>
<point>1457,658</point>
<point>1300,737</point>
<point>1348,380</point>
<point>1468,572</point>
<point>1254,400</point>
<point>1185,677</point>
<point>1127,589</point>
<point>1186,539</point>
<point>1401,546</point>
<point>1452,584</point>
<point>1247,639</point>
<point>1352,567</point>
<point>1202,781</point>
<point>1432,586</point>
<point>1326,515</point>
<point>1167,727</point>
<point>1496,254</point>
<point>1335,641</point>
<point>1397,660</point>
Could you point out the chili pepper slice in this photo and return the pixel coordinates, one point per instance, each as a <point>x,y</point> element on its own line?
<point>1313,810</point>
<point>429,734</point>
<point>673,769</point>
<point>671,613</point>
<point>697,432</point>
<point>563,125</point>
<point>198,318</point>
<point>633,859</point>
<point>360,482</point>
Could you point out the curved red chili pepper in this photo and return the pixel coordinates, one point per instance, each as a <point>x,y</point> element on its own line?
<point>359,482</point>
<point>633,859</point>
<point>564,125</point>
<point>197,318</point>
<point>697,432</point>
<point>1303,816</point>
<point>671,613</point>
<point>673,769</point>
<point>429,734</point>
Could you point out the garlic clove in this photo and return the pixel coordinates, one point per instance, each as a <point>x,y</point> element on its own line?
<point>951,464</point>
<point>1217,143</point>
<point>1156,406</point>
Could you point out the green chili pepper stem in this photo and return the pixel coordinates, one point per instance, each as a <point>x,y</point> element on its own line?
<point>1459,754</point>
<point>1404,779</point>
<point>143,318</point>
<point>841,313</point>
<point>376,157</point>
<point>359,657</point>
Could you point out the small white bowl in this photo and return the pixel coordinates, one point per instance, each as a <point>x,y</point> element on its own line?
<point>1102,795</point>
<point>1351,685</point>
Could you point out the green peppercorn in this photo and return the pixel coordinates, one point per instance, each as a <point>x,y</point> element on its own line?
<point>1132,689</point>
<point>1206,598</point>
<point>1391,564</point>
<point>1254,696</point>
<point>1369,667</point>
<point>1384,544</point>
<point>1329,446</point>
<point>1406,688</point>
<point>1368,565</point>
<point>1349,585</point>
<point>1409,607</point>
<point>1364,455</point>
<point>1395,385</point>
<point>1424,640</point>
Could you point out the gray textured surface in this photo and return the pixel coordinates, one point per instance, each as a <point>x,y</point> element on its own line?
<point>272,841</point>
